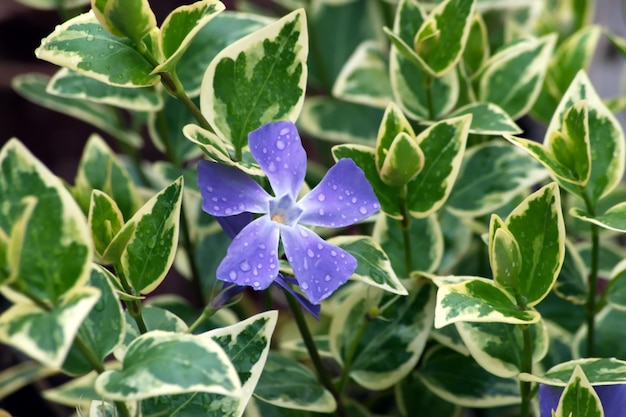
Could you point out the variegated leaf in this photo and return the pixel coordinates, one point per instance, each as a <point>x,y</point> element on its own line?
<point>579,398</point>
<point>53,244</point>
<point>81,44</point>
<point>490,176</point>
<point>443,145</point>
<point>33,87</point>
<point>479,300</point>
<point>181,26</point>
<point>18,376</point>
<point>525,62</point>
<point>364,79</point>
<point>391,345</point>
<point>412,397</point>
<point>608,335</point>
<point>258,79</point>
<point>613,219</point>
<point>129,18</point>
<point>616,291</point>
<point>286,383</point>
<point>47,336</point>
<point>487,119</point>
<point>373,266</point>
<point>499,347</point>
<point>71,84</point>
<point>162,363</point>
<point>393,123</point>
<point>599,371</point>
<point>476,50</point>
<point>105,221</point>
<point>472,385</point>
<point>404,160</point>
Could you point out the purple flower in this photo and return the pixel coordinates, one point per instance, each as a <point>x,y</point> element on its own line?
<point>612,397</point>
<point>342,198</point>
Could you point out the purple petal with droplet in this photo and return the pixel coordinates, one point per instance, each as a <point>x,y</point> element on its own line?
<point>252,257</point>
<point>313,309</point>
<point>278,150</point>
<point>227,191</point>
<point>232,225</point>
<point>343,197</point>
<point>319,267</point>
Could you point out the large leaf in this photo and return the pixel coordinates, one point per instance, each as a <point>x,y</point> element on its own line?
<point>81,44</point>
<point>258,79</point>
<point>54,248</point>
<point>105,221</point>
<point>286,383</point>
<point>33,87</point>
<point>525,62</point>
<point>599,371</point>
<point>152,239</point>
<point>71,84</point>
<point>47,335</point>
<point>16,377</point>
<point>160,363</point>
<point>613,219</point>
<point>443,145</point>
<point>129,18</point>
<point>461,380</point>
<point>490,176</point>
<point>390,345</point>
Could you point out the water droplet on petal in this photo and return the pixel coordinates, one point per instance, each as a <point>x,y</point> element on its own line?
<point>244,266</point>
<point>310,253</point>
<point>333,253</point>
<point>353,200</point>
<point>283,131</point>
<point>280,144</point>
<point>304,286</point>
<point>321,212</point>
<point>271,167</point>
<point>320,246</point>
<point>233,275</point>
<point>209,188</point>
<point>363,210</point>
<point>321,197</point>
<point>256,283</point>
<point>229,211</point>
<point>327,278</point>
<point>303,233</point>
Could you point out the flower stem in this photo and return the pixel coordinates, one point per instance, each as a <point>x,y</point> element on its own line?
<point>525,387</point>
<point>590,305</point>
<point>322,373</point>
<point>405,225</point>
<point>345,373</point>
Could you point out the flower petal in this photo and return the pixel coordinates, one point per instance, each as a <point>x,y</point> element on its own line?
<point>313,309</point>
<point>319,267</point>
<point>252,257</point>
<point>227,191</point>
<point>232,225</point>
<point>343,197</point>
<point>278,149</point>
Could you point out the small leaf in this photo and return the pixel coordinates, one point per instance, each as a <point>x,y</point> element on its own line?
<point>579,398</point>
<point>129,18</point>
<point>487,119</point>
<point>47,336</point>
<point>403,162</point>
<point>613,219</point>
<point>160,363</point>
<point>476,49</point>
<point>479,300</point>
<point>443,145</point>
<point>285,383</point>
<point>151,247</point>
<point>373,266</point>
<point>181,26</point>
<point>105,220</point>
<point>392,124</point>
<point>572,147</point>
<point>506,260</point>
<point>364,79</point>
<point>81,44</point>
<point>258,79</point>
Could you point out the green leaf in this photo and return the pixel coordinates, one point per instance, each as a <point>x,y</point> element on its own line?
<point>476,49</point>
<point>571,147</point>
<point>613,219</point>
<point>102,409</point>
<point>337,121</point>
<point>599,371</point>
<point>364,79</point>
<point>373,266</point>
<point>491,175</point>
<point>256,80</point>
<point>100,169</point>
<point>181,26</point>
<point>392,124</point>
<point>364,158</point>
<point>105,221</point>
<point>149,253</point>
<point>78,392</point>
<point>125,18</point>
<point>479,300</point>
<point>413,397</point>
<point>506,260</point>
<point>606,138</point>
<point>469,385</point>
<point>288,384</point>
<point>579,398</point>
<point>441,39</point>
<point>53,245</point>
<point>47,336</point>
<point>608,335</point>
<point>71,84</point>
<point>537,225</point>
<point>525,62</point>
<point>499,347</point>
<point>443,145</point>
<point>33,87</point>
<point>225,28</point>
<point>81,44</point>
<point>426,239</point>
<point>98,338</point>
<point>18,376</point>
<point>572,281</point>
<point>408,19</point>
<point>160,363</point>
<point>616,291</point>
<point>487,119</point>
<point>52,4</point>
<point>391,344</point>
<point>403,161</point>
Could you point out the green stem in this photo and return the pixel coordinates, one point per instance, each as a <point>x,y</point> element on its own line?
<point>525,387</point>
<point>428,89</point>
<point>322,373</point>
<point>347,366</point>
<point>590,306</point>
<point>405,225</point>
<point>134,306</point>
